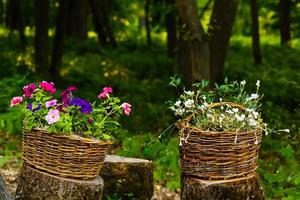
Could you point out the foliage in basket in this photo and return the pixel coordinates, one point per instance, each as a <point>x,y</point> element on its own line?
<point>227,107</point>
<point>71,114</point>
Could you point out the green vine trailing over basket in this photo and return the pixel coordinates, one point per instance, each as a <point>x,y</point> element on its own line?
<point>72,114</point>
<point>227,107</point>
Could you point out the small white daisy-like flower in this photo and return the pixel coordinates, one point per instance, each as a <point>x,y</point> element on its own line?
<point>243,82</point>
<point>189,103</point>
<point>191,93</point>
<point>252,97</point>
<point>257,83</point>
<point>255,114</point>
<point>240,117</point>
<point>235,110</point>
<point>229,111</point>
<point>179,111</point>
<point>177,103</point>
<point>252,122</point>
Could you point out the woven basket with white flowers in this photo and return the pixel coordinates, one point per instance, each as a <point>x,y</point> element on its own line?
<point>220,130</point>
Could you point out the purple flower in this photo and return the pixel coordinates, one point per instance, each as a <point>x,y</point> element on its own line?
<point>85,106</point>
<point>29,107</point>
<point>51,103</point>
<point>52,116</point>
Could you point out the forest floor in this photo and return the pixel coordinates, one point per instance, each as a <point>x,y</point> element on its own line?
<point>10,175</point>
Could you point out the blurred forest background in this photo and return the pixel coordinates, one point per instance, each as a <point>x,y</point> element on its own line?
<point>135,46</point>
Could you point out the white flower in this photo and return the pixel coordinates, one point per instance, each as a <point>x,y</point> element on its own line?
<point>221,99</point>
<point>191,93</point>
<point>189,103</point>
<point>172,108</point>
<point>179,111</point>
<point>240,117</point>
<point>235,110</point>
<point>255,114</point>
<point>177,103</point>
<point>258,83</point>
<point>243,82</point>
<point>229,111</point>
<point>252,122</point>
<point>204,97</point>
<point>252,97</point>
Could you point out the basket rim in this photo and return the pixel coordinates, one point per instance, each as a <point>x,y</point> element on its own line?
<point>72,136</point>
<point>196,129</point>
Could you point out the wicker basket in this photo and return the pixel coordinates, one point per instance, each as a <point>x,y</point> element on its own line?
<point>65,156</point>
<point>213,155</point>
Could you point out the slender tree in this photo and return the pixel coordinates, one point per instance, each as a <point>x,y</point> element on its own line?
<point>59,38</point>
<point>206,55</point>
<point>77,19</point>
<point>284,22</point>
<point>221,23</point>
<point>41,39</point>
<point>101,22</point>
<point>171,27</point>
<point>255,32</point>
<point>147,21</point>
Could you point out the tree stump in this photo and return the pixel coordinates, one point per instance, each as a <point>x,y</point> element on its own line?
<point>127,178</point>
<point>4,194</point>
<point>36,185</point>
<point>247,188</point>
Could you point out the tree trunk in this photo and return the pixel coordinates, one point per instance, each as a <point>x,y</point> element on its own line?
<point>59,38</point>
<point>1,12</point>
<point>77,19</point>
<point>171,28</point>
<point>129,178</point>
<point>4,194</point>
<point>221,23</point>
<point>101,22</point>
<point>197,43</point>
<point>247,188</point>
<point>41,39</point>
<point>255,33</point>
<point>284,22</point>
<point>36,185</point>
<point>147,22</point>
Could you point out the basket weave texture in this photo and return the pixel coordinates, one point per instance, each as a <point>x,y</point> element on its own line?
<point>211,155</point>
<point>65,156</point>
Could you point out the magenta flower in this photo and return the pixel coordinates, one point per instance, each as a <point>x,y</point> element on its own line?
<point>105,93</point>
<point>52,116</point>
<point>51,103</point>
<point>126,107</point>
<point>67,94</point>
<point>48,87</point>
<point>16,101</point>
<point>29,90</point>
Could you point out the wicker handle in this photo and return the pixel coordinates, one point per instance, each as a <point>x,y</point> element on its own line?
<point>213,105</point>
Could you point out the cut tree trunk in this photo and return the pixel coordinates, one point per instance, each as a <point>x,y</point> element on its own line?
<point>247,188</point>
<point>4,194</point>
<point>127,177</point>
<point>37,185</point>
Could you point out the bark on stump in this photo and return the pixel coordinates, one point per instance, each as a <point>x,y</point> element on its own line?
<point>4,194</point>
<point>127,178</point>
<point>36,185</point>
<point>237,189</point>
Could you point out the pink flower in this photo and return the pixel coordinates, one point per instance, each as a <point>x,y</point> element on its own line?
<point>67,94</point>
<point>16,101</point>
<point>48,87</point>
<point>126,107</point>
<point>52,116</point>
<point>105,93</point>
<point>51,103</point>
<point>29,90</point>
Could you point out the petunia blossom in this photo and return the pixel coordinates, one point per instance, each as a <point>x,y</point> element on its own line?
<point>66,95</point>
<point>105,93</point>
<point>126,107</point>
<point>48,87</point>
<point>16,101</point>
<point>50,103</point>
<point>29,90</point>
<point>52,116</point>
